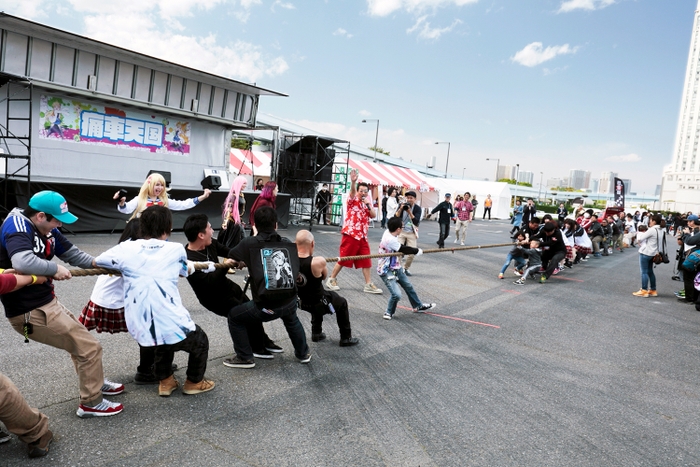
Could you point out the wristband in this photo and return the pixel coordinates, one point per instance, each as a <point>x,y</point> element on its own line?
<point>2,271</point>
<point>33,280</point>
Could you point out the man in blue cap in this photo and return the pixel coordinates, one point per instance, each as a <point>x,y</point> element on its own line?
<point>446,215</point>
<point>29,239</point>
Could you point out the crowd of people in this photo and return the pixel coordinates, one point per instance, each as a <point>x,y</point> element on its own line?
<point>283,276</point>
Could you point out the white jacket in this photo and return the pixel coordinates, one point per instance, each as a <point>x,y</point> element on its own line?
<point>651,247</point>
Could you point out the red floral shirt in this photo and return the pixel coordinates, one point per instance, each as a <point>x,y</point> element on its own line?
<point>356,219</point>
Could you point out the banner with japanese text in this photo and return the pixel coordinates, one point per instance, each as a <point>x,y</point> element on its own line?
<point>71,120</point>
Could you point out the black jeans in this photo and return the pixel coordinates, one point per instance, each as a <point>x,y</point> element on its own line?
<point>689,286</point>
<point>342,315</point>
<point>487,211</point>
<point>249,313</point>
<point>259,339</point>
<point>196,344</point>
<point>444,233</point>
<point>550,261</point>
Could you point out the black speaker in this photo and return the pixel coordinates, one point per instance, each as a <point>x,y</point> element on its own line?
<point>166,175</point>
<point>213,182</point>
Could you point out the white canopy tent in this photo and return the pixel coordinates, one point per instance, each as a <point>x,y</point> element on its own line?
<point>500,194</point>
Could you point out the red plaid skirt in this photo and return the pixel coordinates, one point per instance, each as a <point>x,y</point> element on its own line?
<point>583,250</point>
<point>103,319</point>
<point>570,252</point>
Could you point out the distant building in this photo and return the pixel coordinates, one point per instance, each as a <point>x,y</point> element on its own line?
<point>657,191</point>
<point>628,185</point>
<point>579,179</point>
<point>681,179</point>
<point>526,177</point>
<point>607,182</point>
<point>558,182</point>
<point>506,171</point>
<point>594,185</point>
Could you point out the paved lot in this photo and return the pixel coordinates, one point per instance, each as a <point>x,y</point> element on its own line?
<point>575,372</point>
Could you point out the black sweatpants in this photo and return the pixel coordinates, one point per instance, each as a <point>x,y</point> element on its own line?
<point>342,314</point>
<point>196,344</point>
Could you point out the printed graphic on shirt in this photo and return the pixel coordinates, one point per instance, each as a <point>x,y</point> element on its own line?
<point>277,268</point>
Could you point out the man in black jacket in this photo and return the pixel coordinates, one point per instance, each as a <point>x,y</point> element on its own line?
<point>261,309</point>
<point>214,290</point>
<point>529,211</point>
<point>553,249</point>
<point>446,215</point>
<point>690,237</point>
<point>595,231</point>
<point>323,203</point>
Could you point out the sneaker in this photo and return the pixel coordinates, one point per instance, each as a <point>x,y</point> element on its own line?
<point>305,359</point>
<point>196,388</point>
<point>167,386</point>
<point>4,437</point>
<point>500,275</point>
<point>112,389</point>
<point>407,272</point>
<point>318,337</point>
<point>517,272</point>
<point>143,378</point>
<point>238,362</point>
<point>461,243</point>
<point>103,409</point>
<point>584,260</point>
<point>387,316</point>
<point>332,284</point>
<point>264,354</point>
<point>456,240</point>
<point>425,307</point>
<point>556,271</point>
<point>680,293</point>
<point>543,279</point>
<point>568,264</point>
<point>653,293</point>
<point>519,282</point>
<point>641,293</point>
<point>349,341</point>
<point>371,288</point>
<point>40,447</point>
<point>274,348</point>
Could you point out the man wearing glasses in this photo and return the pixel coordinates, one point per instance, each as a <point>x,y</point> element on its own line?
<point>354,234</point>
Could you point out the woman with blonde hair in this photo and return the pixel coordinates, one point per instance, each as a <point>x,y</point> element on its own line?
<point>233,208</point>
<point>154,193</point>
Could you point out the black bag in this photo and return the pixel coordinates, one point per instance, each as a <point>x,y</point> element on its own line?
<point>273,271</point>
<point>661,256</point>
<point>231,235</point>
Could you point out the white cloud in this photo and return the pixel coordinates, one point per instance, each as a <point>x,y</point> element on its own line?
<point>365,113</point>
<point>533,54</point>
<point>387,7</point>
<point>590,5</point>
<point>342,32</point>
<point>426,32</point>
<point>281,4</point>
<point>30,9</point>
<point>625,158</point>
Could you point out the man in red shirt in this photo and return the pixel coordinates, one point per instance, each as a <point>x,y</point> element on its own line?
<point>354,234</point>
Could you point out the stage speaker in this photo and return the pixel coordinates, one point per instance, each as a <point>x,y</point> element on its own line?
<point>213,182</point>
<point>166,175</point>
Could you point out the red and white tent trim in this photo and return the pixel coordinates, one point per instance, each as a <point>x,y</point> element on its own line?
<point>244,162</point>
<point>387,175</point>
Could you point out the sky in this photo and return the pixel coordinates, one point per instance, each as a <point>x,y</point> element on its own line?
<point>552,85</point>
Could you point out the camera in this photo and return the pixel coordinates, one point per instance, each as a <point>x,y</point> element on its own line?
<point>405,207</point>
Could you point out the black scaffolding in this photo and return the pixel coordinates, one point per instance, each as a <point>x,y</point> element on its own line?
<point>15,140</point>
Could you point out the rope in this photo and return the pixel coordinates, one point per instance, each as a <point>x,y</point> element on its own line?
<point>198,266</point>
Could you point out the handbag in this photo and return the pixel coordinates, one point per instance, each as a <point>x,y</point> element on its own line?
<point>661,256</point>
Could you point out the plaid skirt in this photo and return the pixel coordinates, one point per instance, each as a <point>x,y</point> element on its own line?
<point>570,254</point>
<point>103,319</point>
<point>583,250</point>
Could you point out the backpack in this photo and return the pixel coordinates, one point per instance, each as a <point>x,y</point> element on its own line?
<point>691,261</point>
<point>273,271</point>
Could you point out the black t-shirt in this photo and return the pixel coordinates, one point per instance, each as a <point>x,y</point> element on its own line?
<point>214,290</point>
<point>309,288</point>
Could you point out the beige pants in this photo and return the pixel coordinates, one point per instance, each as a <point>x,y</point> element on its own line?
<point>408,239</point>
<point>461,230</point>
<point>54,325</point>
<point>27,423</point>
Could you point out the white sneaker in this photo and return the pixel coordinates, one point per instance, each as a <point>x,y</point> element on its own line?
<point>462,243</point>
<point>332,284</point>
<point>456,240</point>
<point>371,288</point>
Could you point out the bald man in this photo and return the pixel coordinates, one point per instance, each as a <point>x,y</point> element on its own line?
<point>314,298</point>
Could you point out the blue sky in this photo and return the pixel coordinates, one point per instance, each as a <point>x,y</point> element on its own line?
<point>552,85</point>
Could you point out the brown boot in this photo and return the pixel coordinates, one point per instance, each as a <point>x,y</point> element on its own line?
<point>167,386</point>
<point>195,388</point>
<point>40,447</point>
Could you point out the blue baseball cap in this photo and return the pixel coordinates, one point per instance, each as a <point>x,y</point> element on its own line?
<point>693,218</point>
<point>50,202</point>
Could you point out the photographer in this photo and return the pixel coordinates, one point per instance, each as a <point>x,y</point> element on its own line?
<point>690,238</point>
<point>410,214</point>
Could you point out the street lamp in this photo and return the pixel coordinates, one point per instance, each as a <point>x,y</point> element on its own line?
<point>498,161</point>
<point>463,169</point>
<point>540,190</point>
<point>376,135</point>
<point>517,173</point>
<point>447,162</point>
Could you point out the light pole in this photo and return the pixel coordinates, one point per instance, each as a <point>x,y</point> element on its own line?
<point>517,172</point>
<point>463,169</point>
<point>540,190</point>
<point>447,162</point>
<point>498,161</point>
<point>376,135</point>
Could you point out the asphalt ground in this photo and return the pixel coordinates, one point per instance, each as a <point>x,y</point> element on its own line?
<point>574,372</point>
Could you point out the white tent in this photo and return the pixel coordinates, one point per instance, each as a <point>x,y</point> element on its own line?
<point>500,194</point>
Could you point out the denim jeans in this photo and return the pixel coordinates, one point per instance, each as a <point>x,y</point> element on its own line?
<point>242,316</point>
<point>395,280</point>
<point>444,233</point>
<point>646,265</point>
<point>519,262</point>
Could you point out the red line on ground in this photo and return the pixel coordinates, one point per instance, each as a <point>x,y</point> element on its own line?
<point>452,317</point>
<point>511,291</point>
